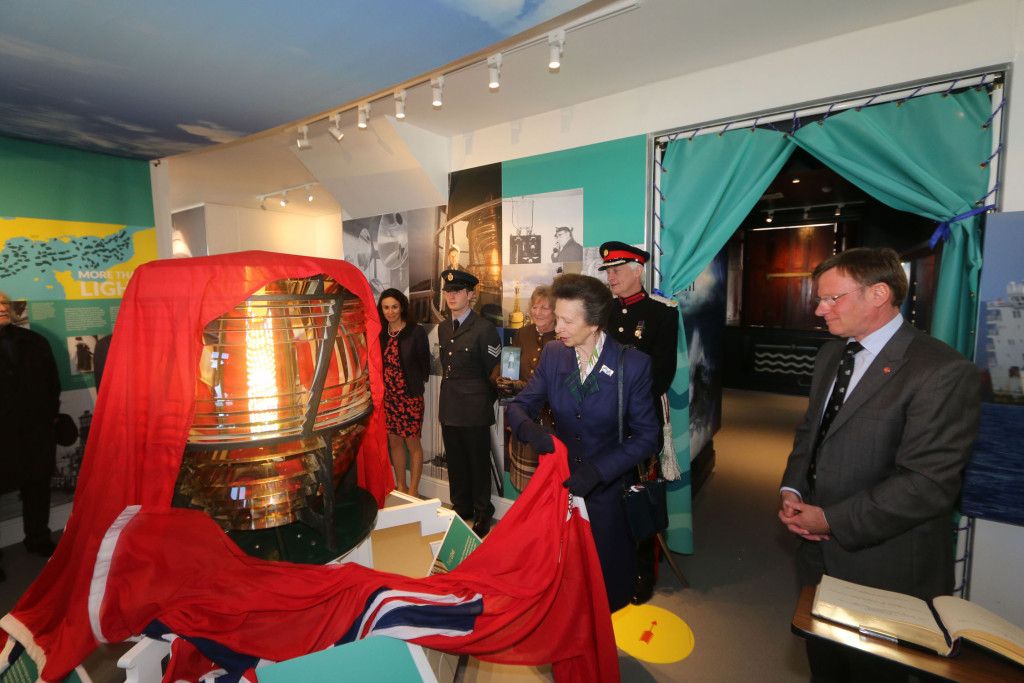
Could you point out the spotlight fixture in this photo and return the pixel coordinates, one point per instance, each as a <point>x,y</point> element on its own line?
<point>309,195</point>
<point>771,217</point>
<point>807,213</point>
<point>839,210</point>
<point>796,181</point>
<point>284,200</point>
<point>437,86</point>
<point>494,71</point>
<point>335,128</point>
<point>263,203</point>
<point>303,140</point>
<point>364,114</point>
<point>556,45</point>
<point>400,104</point>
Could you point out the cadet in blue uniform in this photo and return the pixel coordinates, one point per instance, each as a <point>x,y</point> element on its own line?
<point>470,349</point>
<point>650,323</point>
<point>578,377</point>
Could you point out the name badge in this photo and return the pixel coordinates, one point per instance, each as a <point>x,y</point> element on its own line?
<point>607,370</point>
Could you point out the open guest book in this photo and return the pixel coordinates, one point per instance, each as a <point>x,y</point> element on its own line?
<point>903,618</point>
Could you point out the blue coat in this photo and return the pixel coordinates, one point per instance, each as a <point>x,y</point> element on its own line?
<point>590,432</point>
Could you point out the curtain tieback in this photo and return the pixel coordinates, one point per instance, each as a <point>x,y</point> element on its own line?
<point>942,231</point>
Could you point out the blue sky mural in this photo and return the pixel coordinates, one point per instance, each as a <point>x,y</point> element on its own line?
<point>150,78</point>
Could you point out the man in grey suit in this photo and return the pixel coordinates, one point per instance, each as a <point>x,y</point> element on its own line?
<point>877,462</point>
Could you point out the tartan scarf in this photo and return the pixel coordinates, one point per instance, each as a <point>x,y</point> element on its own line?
<point>580,389</point>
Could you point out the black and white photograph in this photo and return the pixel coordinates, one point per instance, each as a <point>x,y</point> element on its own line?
<point>552,224</point>
<point>81,353</point>
<point>379,247</point>
<point>423,226</point>
<point>469,239</point>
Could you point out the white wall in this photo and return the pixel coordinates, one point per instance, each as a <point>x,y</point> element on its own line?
<point>981,34</point>
<point>232,228</point>
<point>976,35</point>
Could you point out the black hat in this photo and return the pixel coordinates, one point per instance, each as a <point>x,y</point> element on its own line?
<point>563,228</point>
<point>457,279</point>
<point>617,253</point>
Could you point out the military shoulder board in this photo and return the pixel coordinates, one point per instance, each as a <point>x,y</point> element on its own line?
<point>664,300</point>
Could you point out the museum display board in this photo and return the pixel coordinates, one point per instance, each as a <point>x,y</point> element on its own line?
<point>74,227</point>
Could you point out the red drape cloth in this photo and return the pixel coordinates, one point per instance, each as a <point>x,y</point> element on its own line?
<point>538,573</point>
<point>142,418</point>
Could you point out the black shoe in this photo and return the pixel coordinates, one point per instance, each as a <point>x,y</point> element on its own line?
<point>643,589</point>
<point>481,527</point>
<point>43,547</point>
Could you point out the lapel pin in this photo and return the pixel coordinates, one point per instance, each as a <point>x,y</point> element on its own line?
<point>886,370</point>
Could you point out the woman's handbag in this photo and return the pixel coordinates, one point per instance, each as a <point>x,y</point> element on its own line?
<point>644,502</point>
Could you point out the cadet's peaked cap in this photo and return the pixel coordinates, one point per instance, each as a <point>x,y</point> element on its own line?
<point>457,279</point>
<point>617,253</point>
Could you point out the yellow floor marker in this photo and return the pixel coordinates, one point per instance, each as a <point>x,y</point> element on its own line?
<point>652,634</point>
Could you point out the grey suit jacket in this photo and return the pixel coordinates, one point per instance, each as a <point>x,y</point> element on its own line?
<point>890,468</point>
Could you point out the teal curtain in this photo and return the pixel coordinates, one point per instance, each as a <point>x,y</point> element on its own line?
<point>710,184</point>
<point>925,156</point>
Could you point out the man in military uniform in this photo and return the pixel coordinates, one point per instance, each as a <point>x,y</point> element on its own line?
<point>650,323</point>
<point>470,349</point>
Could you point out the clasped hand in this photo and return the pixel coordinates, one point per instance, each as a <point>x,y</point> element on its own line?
<point>804,520</point>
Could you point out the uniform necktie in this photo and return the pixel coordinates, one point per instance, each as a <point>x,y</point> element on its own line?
<point>455,325</point>
<point>835,402</point>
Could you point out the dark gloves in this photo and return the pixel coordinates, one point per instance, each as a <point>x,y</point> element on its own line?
<point>532,433</point>
<point>509,387</point>
<point>584,480</point>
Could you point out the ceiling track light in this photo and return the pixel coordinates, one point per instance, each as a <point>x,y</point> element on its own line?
<point>400,104</point>
<point>771,217</point>
<point>839,210</point>
<point>494,71</point>
<point>281,196</point>
<point>364,115</point>
<point>437,90</point>
<point>335,128</point>
<point>303,140</point>
<point>556,46</point>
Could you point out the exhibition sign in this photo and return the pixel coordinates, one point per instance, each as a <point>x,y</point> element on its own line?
<point>65,280</point>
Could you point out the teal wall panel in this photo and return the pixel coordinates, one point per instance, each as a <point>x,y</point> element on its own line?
<point>60,183</point>
<point>613,177</point>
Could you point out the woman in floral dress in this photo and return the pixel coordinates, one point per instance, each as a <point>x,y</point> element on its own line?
<point>406,355</point>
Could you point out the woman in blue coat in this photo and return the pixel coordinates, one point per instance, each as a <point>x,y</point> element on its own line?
<point>578,377</point>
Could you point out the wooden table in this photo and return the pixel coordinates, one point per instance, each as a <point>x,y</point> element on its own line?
<point>971,664</point>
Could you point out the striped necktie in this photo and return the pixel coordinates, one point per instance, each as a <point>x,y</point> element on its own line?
<point>835,402</point>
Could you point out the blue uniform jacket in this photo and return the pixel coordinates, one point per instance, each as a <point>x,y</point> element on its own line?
<point>590,431</point>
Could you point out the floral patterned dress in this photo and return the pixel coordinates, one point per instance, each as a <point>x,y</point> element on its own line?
<point>403,415</point>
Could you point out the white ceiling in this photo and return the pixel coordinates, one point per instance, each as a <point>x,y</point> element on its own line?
<point>657,40</point>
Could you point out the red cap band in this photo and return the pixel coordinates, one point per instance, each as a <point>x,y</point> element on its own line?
<point>628,255</point>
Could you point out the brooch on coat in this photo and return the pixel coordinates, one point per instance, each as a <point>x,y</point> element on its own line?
<point>639,331</point>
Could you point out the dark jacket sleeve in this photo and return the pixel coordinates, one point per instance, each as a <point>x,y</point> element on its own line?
<point>421,351</point>
<point>795,475</point>
<point>487,342</point>
<point>941,422</point>
<point>663,355</point>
